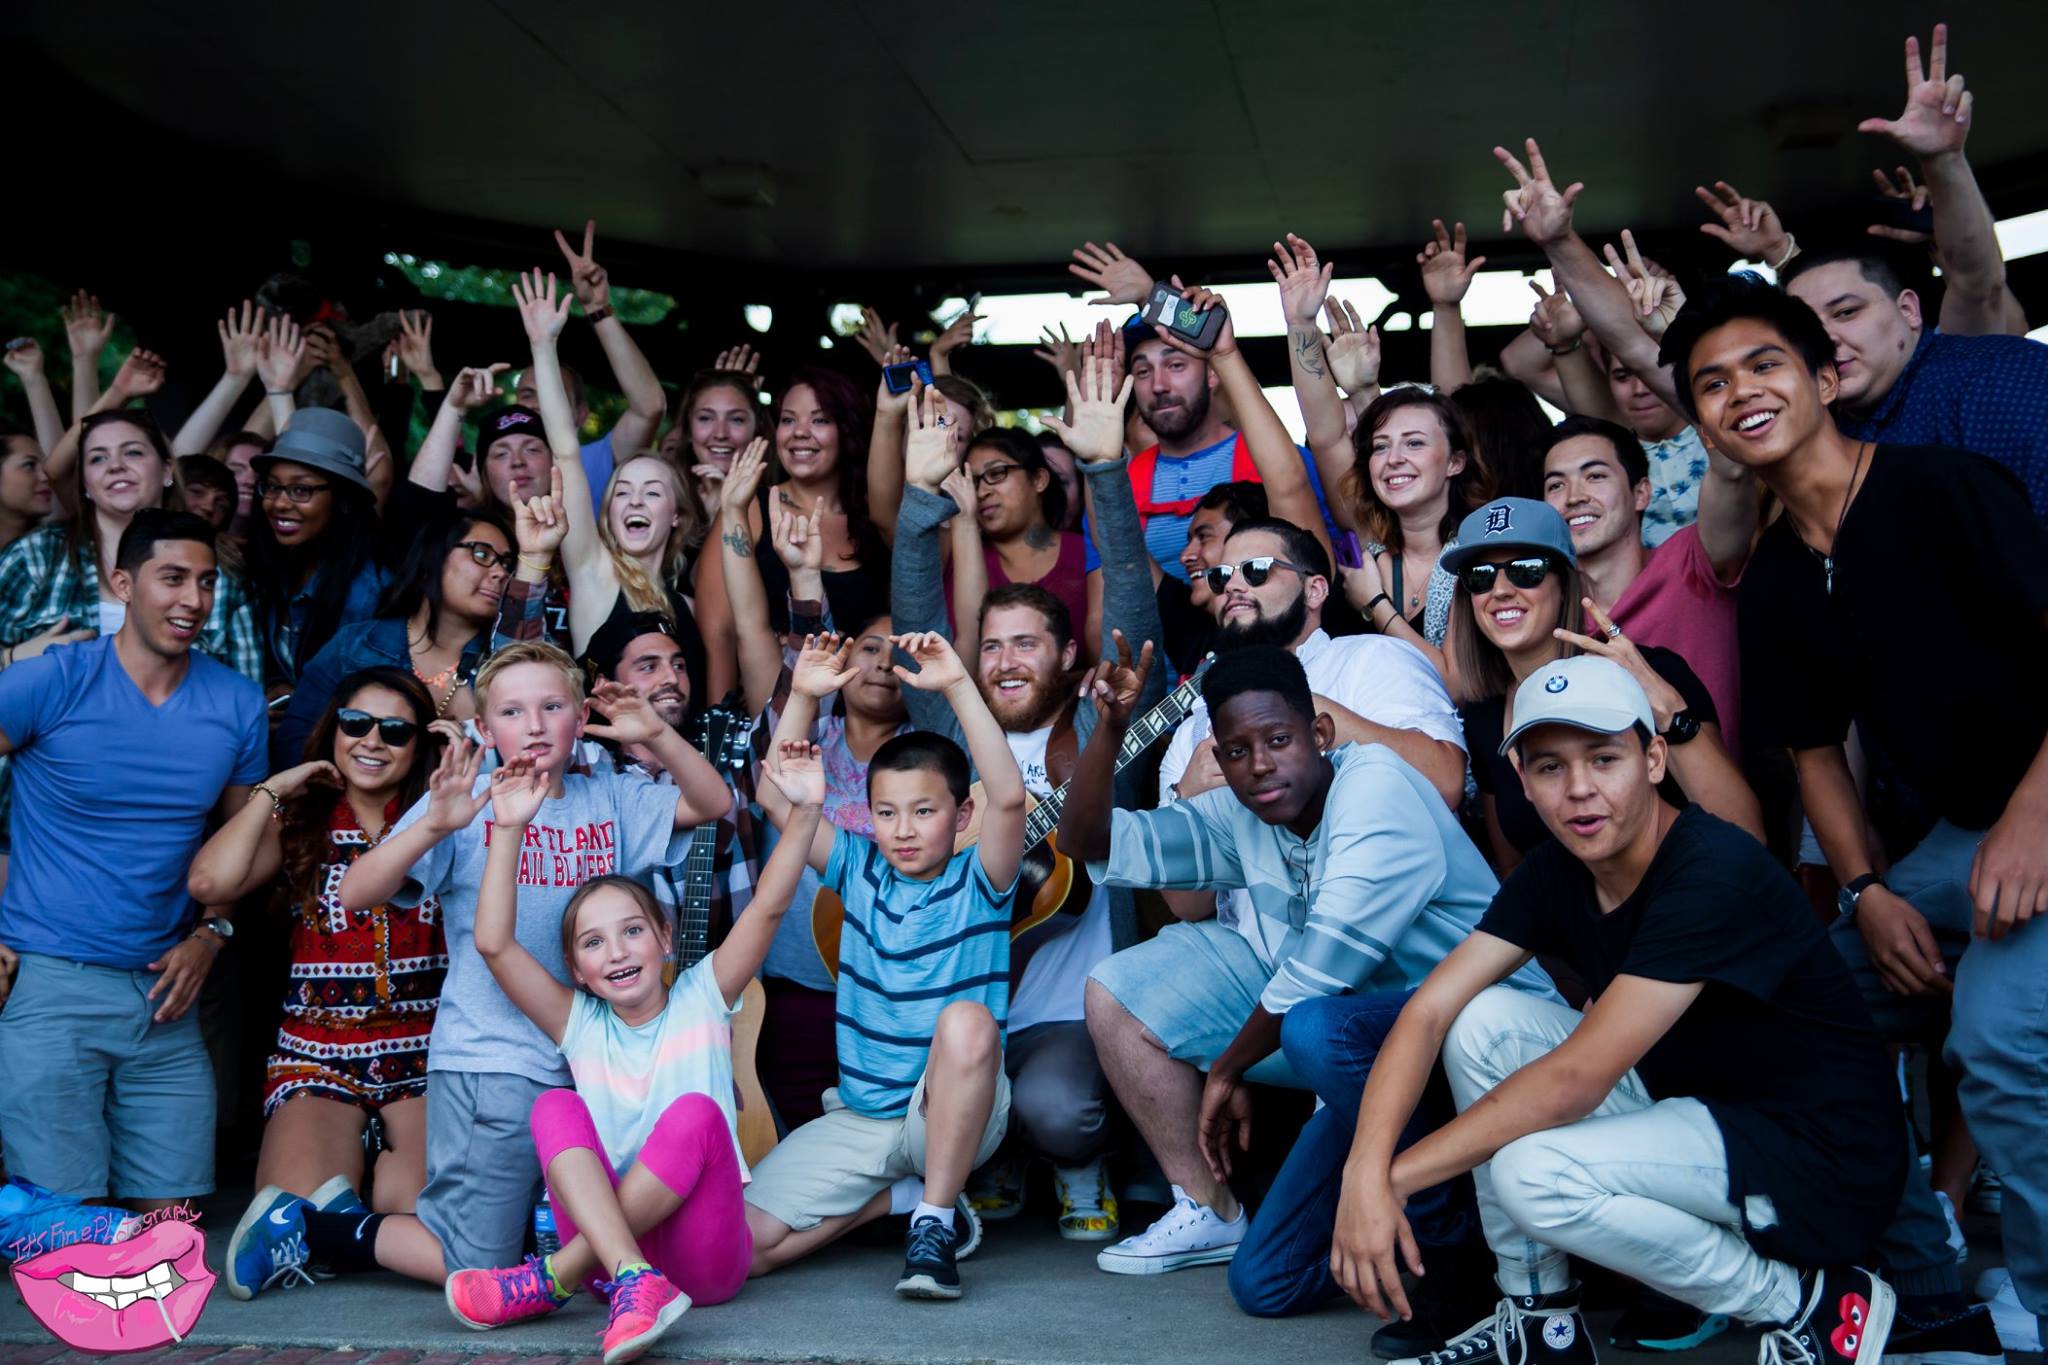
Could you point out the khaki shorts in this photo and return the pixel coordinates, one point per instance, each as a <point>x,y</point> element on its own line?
<point>835,1163</point>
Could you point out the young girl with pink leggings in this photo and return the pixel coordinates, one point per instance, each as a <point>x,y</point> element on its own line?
<point>642,1157</point>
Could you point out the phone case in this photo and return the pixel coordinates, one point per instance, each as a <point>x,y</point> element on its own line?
<point>1198,328</point>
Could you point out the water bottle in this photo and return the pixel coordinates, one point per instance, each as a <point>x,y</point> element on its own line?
<point>545,1239</point>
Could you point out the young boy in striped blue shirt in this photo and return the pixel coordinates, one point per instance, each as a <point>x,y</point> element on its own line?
<point>924,987</point>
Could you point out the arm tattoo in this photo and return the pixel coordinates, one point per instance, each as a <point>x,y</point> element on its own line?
<point>1308,349</point>
<point>736,538</point>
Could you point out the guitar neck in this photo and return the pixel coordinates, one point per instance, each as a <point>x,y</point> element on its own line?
<point>1144,732</point>
<point>693,928</point>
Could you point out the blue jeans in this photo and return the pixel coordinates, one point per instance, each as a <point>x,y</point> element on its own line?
<point>1998,1045</point>
<point>1283,1265</point>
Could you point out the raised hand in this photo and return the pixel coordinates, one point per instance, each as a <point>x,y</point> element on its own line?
<point>928,444</point>
<point>1108,268</point>
<point>1106,343</point>
<point>1654,290</point>
<point>1665,700</point>
<point>740,359</point>
<point>959,486</point>
<point>744,478</point>
<point>797,768</point>
<point>822,666</point>
<point>542,313</point>
<point>1351,347</point>
<point>1115,685</point>
<point>1303,284</point>
<point>292,781</point>
<point>876,338</point>
<point>1446,274</point>
<point>475,386</point>
<point>631,718</point>
<point>1555,320</point>
<point>938,667</point>
<point>592,285</point>
<point>61,633</point>
<point>1543,210</point>
<point>323,348</point>
<point>1095,400</point>
<point>239,335</point>
<point>1204,300</point>
<point>1060,351</point>
<point>25,358</point>
<point>278,353</point>
<point>1936,119</point>
<point>1748,227</point>
<point>885,401</point>
<point>85,326</point>
<point>516,793</point>
<point>140,375</point>
<point>452,798</point>
<point>800,540</point>
<point>540,523</point>
<point>959,332</point>
<point>415,343</point>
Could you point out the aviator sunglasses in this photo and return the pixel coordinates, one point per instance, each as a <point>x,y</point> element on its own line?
<point>355,724</point>
<point>1478,579</point>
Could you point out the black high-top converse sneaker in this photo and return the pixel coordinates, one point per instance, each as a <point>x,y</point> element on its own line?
<point>1846,1320</point>
<point>1525,1329</point>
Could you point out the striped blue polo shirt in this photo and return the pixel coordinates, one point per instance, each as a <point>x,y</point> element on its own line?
<point>909,949</point>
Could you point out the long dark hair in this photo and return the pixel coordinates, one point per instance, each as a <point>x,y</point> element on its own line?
<point>1479,665</point>
<point>344,551</point>
<point>418,579</point>
<point>1027,454</point>
<point>305,818</point>
<point>82,532</point>
<point>851,414</point>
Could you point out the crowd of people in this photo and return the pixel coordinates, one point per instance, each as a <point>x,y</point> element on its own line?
<point>685,843</point>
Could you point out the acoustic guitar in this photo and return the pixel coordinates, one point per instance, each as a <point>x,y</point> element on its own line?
<point>1052,889</point>
<point>725,738</point>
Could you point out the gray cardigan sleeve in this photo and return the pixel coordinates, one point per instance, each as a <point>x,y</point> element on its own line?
<point>917,596</point>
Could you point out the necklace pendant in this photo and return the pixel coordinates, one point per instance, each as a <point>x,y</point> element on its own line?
<point>1828,563</point>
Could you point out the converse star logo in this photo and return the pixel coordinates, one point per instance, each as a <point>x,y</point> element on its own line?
<point>1497,519</point>
<point>1559,1331</point>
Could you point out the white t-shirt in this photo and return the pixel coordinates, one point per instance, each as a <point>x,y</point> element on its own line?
<point>628,1076</point>
<point>1387,681</point>
<point>1056,979</point>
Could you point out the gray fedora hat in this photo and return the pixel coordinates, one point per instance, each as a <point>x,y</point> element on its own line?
<point>322,439</point>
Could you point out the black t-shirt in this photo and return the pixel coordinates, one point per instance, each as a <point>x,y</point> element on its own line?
<point>1932,636</point>
<point>1494,773</point>
<point>1778,1045</point>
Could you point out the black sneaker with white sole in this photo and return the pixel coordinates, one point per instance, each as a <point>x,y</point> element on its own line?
<point>1966,1338</point>
<point>1845,1319</point>
<point>930,1263</point>
<point>1529,1329</point>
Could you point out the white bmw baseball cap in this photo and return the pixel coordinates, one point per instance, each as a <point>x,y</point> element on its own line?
<point>1586,692</point>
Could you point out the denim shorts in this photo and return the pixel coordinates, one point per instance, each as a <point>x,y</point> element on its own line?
<point>1192,988</point>
<point>97,1099</point>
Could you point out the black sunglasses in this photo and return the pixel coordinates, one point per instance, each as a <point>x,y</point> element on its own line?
<point>485,553</point>
<point>355,724</point>
<point>1478,579</point>
<point>1256,571</point>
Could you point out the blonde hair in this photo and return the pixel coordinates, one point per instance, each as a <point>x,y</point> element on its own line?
<point>641,592</point>
<point>526,652</point>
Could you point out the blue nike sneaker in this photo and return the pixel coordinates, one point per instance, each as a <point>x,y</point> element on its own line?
<point>268,1249</point>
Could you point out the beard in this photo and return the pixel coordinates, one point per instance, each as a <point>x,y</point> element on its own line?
<point>1181,419</point>
<point>670,704</point>
<point>1282,630</point>
<point>1040,701</point>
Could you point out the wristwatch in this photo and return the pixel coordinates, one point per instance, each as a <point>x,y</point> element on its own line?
<point>222,927</point>
<point>1848,896</point>
<point>599,313</point>
<point>1683,728</point>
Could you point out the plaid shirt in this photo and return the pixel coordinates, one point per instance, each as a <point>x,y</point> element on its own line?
<point>40,583</point>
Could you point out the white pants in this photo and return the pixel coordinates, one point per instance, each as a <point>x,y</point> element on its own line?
<point>1640,1187</point>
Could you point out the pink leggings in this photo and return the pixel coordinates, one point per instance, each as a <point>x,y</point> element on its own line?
<point>704,1247</point>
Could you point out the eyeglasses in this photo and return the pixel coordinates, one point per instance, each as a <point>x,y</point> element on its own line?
<point>485,553</point>
<point>298,494</point>
<point>355,724</point>
<point>1256,571</point>
<point>995,474</point>
<point>1478,579</point>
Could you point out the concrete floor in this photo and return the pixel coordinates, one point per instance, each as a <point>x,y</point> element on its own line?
<point>1030,1298</point>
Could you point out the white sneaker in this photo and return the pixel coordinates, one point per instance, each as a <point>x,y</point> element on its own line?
<point>1188,1234</point>
<point>2018,1330</point>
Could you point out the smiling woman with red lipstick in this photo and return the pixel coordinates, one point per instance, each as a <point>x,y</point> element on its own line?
<point>1518,593</point>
